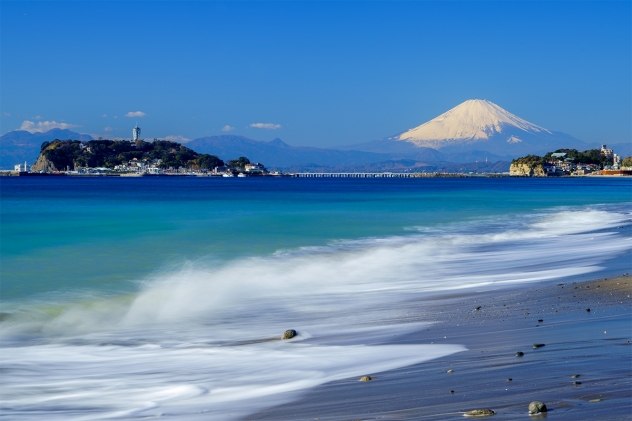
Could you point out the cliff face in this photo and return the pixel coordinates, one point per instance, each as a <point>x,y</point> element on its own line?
<point>44,164</point>
<point>526,170</point>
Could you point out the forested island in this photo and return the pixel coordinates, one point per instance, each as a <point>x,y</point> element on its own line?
<point>570,162</point>
<point>62,155</point>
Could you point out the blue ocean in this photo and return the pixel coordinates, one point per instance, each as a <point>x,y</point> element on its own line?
<point>129,298</point>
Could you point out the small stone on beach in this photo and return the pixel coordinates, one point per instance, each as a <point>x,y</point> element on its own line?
<point>479,413</point>
<point>595,400</point>
<point>478,308</point>
<point>509,379</point>
<point>289,334</point>
<point>537,346</point>
<point>366,378</point>
<point>452,391</point>
<point>540,320</point>
<point>536,407</point>
<point>587,310</point>
<point>449,371</point>
<point>575,376</point>
<point>577,383</point>
<point>519,354</point>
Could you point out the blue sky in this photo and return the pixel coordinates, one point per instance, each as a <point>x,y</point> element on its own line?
<point>312,73</point>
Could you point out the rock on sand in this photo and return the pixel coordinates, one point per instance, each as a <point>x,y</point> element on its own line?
<point>289,334</point>
<point>536,407</point>
<point>366,378</point>
<point>479,413</point>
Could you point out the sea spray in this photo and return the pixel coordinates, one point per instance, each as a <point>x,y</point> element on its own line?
<point>202,341</point>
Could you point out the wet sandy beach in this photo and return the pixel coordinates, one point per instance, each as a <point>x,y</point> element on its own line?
<point>495,325</point>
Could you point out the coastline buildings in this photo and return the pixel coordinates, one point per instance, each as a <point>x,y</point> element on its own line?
<point>21,168</point>
<point>255,168</point>
<point>609,153</point>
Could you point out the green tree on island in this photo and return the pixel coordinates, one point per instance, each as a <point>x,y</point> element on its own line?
<point>207,162</point>
<point>591,156</point>
<point>109,153</point>
<point>239,162</point>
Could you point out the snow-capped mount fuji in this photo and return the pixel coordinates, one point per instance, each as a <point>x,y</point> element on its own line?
<point>471,121</point>
<point>476,125</point>
<point>481,124</point>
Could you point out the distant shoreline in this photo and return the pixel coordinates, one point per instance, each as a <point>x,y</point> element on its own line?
<point>9,173</point>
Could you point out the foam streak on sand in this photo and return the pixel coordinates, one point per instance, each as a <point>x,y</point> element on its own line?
<point>198,343</point>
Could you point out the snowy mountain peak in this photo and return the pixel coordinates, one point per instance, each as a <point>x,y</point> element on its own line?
<point>473,120</point>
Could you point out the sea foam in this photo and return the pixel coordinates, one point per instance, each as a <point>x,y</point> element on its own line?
<point>202,342</point>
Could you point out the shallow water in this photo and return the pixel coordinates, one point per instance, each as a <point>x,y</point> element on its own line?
<point>132,298</point>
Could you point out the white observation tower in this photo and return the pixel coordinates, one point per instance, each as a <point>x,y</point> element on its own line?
<point>136,133</point>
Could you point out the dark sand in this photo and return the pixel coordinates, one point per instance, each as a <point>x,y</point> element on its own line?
<point>592,344</point>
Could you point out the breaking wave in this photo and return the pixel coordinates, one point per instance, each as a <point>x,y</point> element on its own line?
<point>201,342</point>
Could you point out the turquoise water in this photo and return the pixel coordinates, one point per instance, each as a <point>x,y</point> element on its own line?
<point>62,234</point>
<point>129,298</point>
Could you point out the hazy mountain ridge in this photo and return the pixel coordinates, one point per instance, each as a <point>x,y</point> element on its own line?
<point>406,150</point>
<point>277,153</point>
<point>19,146</point>
<point>408,165</point>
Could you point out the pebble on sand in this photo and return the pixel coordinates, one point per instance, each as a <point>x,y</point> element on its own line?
<point>588,310</point>
<point>479,413</point>
<point>537,346</point>
<point>519,354</point>
<point>449,371</point>
<point>509,379</point>
<point>536,407</point>
<point>574,376</point>
<point>289,334</point>
<point>540,320</point>
<point>577,383</point>
<point>595,400</point>
<point>366,378</point>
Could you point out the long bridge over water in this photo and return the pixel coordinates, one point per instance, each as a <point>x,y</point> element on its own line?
<point>375,175</point>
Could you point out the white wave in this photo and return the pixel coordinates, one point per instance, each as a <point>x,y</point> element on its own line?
<point>213,383</point>
<point>198,342</point>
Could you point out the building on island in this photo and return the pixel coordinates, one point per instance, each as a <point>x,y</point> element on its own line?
<point>255,168</point>
<point>136,133</point>
<point>608,153</point>
<point>21,168</point>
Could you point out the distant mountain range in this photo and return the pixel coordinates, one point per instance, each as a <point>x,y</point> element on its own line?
<point>19,146</point>
<point>278,154</point>
<point>476,126</point>
<point>476,131</point>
